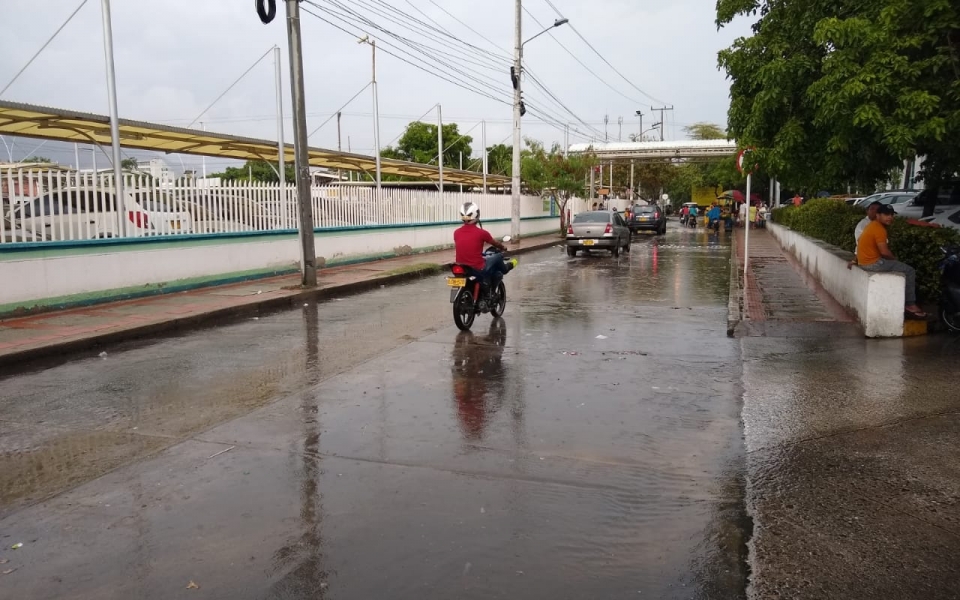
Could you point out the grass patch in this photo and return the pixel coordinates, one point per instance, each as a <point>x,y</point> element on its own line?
<point>422,268</point>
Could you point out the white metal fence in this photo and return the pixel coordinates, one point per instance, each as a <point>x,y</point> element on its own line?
<point>56,205</point>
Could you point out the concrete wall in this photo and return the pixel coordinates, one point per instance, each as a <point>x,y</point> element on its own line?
<point>88,271</point>
<point>876,298</point>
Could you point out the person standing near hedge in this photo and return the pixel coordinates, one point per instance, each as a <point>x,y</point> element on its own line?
<point>870,218</point>
<point>874,255</point>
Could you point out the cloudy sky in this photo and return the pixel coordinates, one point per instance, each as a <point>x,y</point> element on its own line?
<point>173,58</point>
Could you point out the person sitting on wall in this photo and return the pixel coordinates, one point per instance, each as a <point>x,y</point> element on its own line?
<point>874,255</point>
<point>870,218</point>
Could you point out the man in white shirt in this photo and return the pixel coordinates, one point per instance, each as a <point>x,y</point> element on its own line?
<point>871,216</point>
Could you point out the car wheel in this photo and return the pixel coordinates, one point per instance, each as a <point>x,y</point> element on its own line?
<point>615,251</point>
<point>571,251</point>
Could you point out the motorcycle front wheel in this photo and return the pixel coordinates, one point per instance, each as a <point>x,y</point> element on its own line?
<point>464,310</point>
<point>499,301</point>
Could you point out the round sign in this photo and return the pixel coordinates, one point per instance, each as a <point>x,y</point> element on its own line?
<point>665,197</point>
<point>740,160</point>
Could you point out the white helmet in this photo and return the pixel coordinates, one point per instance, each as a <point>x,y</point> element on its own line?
<point>469,212</point>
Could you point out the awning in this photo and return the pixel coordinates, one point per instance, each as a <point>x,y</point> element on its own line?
<point>69,126</point>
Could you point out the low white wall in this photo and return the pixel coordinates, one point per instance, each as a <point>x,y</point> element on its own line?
<point>89,270</point>
<point>876,298</point>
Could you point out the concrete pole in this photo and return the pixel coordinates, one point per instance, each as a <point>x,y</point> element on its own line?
<point>308,267</point>
<point>339,147</point>
<point>632,195</point>
<point>203,159</point>
<point>593,188</point>
<point>746,237</point>
<point>281,150</point>
<point>566,139</point>
<point>440,147</point>
<point>114,116</point>
<point>515,176</point>
<point>461,168</point>
<point>483,142</point>
<point>376,110</point>
<point>76,155</point>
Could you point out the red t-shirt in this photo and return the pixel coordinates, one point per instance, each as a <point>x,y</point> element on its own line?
<point>469,240</point>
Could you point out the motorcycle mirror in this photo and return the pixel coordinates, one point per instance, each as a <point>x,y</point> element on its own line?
<point>507,238</point>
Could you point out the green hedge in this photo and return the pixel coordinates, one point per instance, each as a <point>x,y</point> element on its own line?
<point>834,222</point>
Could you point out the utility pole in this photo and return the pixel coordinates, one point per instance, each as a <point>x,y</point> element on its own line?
<point>76,156</point>
<point>661,111</point>
<point>483,142</point>
<point>620,130</point>
<point>640,132</point>
<point>606,119</point>
<point>566,139</point>
<point>307,245</point>
<point>440,146</point>
<point>376,105</point>
<point>517,99</point>
<point>281,148</point>
<point>339,147</point>
<point>114,116</point>
<point>203,159</point>
<point>632,195</point>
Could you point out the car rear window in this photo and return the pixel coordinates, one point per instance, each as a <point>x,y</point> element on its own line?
<point>592,217</point>
<point>644,209</point>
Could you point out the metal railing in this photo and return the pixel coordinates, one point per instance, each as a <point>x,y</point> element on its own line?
<point>52,205</point>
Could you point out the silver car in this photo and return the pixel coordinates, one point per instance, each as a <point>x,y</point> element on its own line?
<point>948,200</point>
<point>893,198</point>
<point>598,230</point>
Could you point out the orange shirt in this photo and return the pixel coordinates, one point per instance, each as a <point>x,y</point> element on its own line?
<point>868,249</point>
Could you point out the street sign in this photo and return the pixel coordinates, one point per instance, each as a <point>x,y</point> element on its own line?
<point>740,160</point>
<point>665,197</point>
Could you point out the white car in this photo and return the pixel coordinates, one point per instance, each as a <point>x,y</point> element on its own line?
<point>78,214</point>
<point>947,202</point>
<point>949,218</point>
<point>895,199</point>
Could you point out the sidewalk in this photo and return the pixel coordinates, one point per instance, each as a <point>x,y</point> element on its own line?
<point>51,333</point>
<point>779,294</point>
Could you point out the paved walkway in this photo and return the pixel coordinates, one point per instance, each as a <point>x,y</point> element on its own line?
<point>31,337</point>
<point>778,291</point>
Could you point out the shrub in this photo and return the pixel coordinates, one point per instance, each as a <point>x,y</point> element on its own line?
<point>834,222</point>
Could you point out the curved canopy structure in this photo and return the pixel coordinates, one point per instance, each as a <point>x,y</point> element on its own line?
<point>652,150</point>
<point>69,126</point>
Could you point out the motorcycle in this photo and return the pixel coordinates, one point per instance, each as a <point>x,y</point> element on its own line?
<point>950,282</point>
<point>692,221</point>
<point>471,297</point>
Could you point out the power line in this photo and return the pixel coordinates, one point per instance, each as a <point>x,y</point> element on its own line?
<point>597,52</point>
<point>363,89</point>
<point>43,47</point>
<point>468,27</point>
<point>230,87</point>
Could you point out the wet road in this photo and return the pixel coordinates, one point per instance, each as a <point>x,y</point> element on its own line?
<point>586,446</point>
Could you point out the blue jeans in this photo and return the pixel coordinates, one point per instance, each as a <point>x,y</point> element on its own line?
<point>494,270</point>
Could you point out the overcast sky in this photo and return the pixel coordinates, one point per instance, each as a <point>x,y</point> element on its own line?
<point>173,58</point>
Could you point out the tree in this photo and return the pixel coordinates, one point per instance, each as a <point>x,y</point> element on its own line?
<point>837,91</point>
<point>129,164</point>
<point>38,159</point>
<point>500,159</point>
<point>705,131</point>
<point>419,144</point>
<point>257,170</point>
<point>551,172</point>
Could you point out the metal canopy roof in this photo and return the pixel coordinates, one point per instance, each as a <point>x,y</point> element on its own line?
<point>69,126</point>
<point>677,149</point>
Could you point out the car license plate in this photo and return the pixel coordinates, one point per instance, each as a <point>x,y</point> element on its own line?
<point>457,281</point>
<point>644,218</point>
<point>588,242</point>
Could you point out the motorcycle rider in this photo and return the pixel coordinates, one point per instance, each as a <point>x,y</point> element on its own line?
<point>469,239</point>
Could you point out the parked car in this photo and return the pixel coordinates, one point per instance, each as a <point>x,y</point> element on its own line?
<point>598,230</point>
<point>84,214</point>
<point>948,218</point>
<point>948,198</point>
<point>650,218</point>
<point>895,198</point>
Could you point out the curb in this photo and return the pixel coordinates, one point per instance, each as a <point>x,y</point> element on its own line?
<point>220,316</point>
<point>734,310</point>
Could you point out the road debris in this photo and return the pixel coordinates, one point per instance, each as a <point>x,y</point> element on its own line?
<point>221,452</point>
<point>601,337</point>
<point>192,586</point>
<point>8,571</point>
<point>102,354</point>
<point>16,546</point>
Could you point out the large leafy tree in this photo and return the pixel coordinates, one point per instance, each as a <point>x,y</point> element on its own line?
<point>841,91</point>
<point>257,170</point>
<point>419,144</point>
<point>500,159</point>
<point>550,172</point>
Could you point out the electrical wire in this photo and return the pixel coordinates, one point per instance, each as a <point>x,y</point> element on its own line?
<point>231,86</point>
<point>320,126</point>
<point>597,52</point>
<point>43,47</point>
<point>475,32</point>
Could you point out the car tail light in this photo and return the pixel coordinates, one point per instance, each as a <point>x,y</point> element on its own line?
<point>569,229</point>
<point>458,270</point>
<point>609,228</point>
<point>138,218</point>
<point>656,215</point>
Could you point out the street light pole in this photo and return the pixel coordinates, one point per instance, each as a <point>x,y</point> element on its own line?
<point>483,142</point>
<point>281,149</point>
<point>440,147</point>
<point>376,105</point>
<point>517,99</point>
<point>518,111</point>
<point>307,244</point>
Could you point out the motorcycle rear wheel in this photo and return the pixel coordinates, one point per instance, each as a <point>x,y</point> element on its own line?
<point>498,301</point>
<point>950,318</point>
<point>464,310</point>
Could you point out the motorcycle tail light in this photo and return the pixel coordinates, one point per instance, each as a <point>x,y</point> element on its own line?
<point>458,270</point>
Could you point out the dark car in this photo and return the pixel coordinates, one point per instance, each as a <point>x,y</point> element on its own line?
<point>649,217</point>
